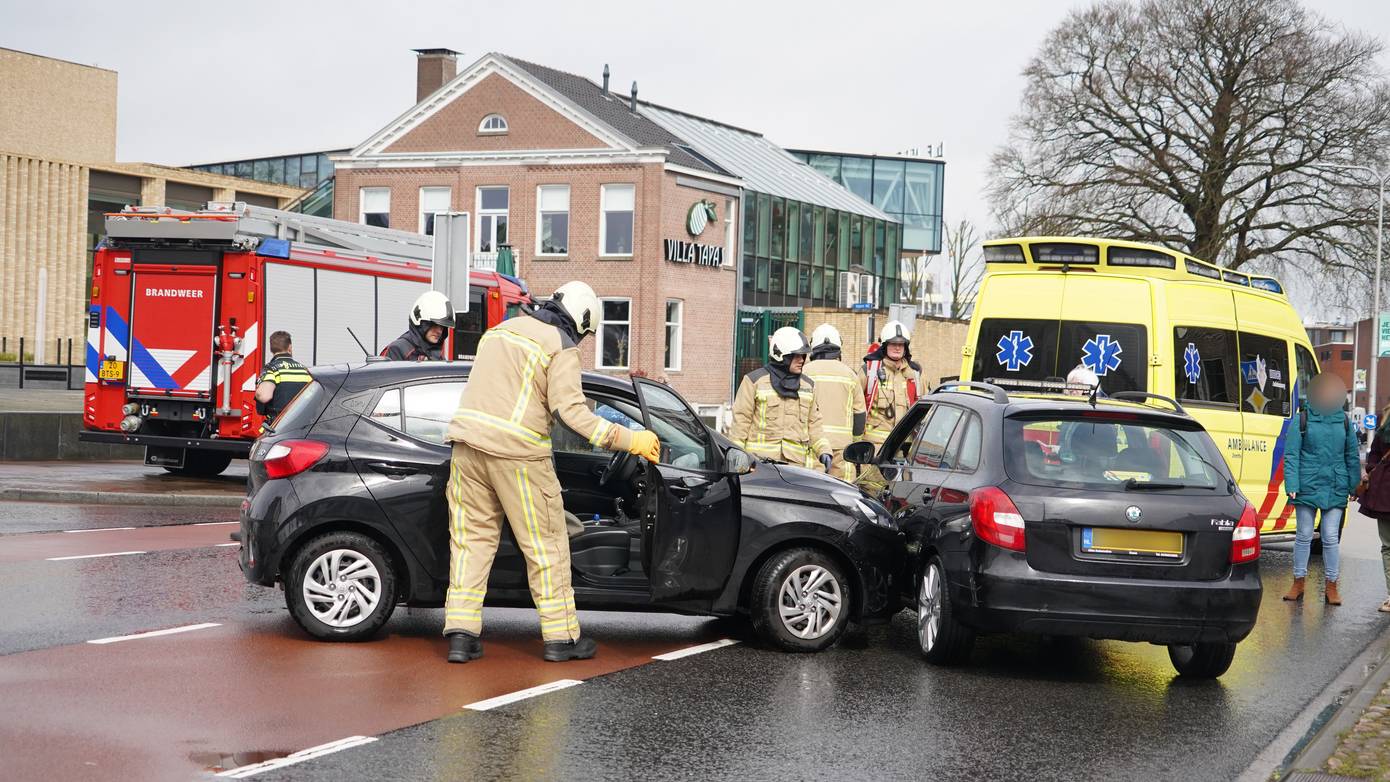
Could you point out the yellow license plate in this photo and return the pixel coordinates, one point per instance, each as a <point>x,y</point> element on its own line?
<point>1135,542</point>
<point>112,370</point>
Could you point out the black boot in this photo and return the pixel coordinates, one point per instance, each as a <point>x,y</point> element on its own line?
<point>560,651</point>
<point>464,647</point>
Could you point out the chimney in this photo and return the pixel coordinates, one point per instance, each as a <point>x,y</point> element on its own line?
<point>605,79</point>
<point>634,97</point>
<point>433,68</point>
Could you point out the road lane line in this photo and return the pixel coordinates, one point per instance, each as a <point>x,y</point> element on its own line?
<point>153,633</point>
<point>688,651</point>
<point>93,556</point>
<point>223,545</point>
<point>242,772</point>
<point>213,523</point>
<point>101,529</point>
<point>521,695</point>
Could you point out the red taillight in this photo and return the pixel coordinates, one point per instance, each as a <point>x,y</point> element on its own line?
<point>292,457</point>
<point>997,521</point>
<point>1245,538</point>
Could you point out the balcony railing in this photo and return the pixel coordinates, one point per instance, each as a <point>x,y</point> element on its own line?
<point>488,261</point>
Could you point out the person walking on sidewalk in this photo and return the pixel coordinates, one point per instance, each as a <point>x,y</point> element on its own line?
<point>1375,500</point>
<point>1322,466</point>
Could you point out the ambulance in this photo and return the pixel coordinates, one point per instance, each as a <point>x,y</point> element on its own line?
<point>1226,345</point>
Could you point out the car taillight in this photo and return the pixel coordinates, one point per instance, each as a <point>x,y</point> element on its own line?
<point>996,519</point>
<point>1245,539</point>
<point>292,457</point>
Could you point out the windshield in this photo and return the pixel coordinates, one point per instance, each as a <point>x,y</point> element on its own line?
<point>1099,451</point>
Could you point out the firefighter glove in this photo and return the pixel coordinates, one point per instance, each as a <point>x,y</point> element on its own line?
<point>646,445</point>
<point>826,461</point>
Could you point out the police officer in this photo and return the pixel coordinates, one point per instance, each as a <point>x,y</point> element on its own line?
<point>430,319</point>
<point>838,397</point>
<point>775,414</point>
<point>889,380</point>
<point>281,378</point>
<point>527,371</point>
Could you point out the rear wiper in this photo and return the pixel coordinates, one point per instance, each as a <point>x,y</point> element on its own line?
<point>1134,484</point>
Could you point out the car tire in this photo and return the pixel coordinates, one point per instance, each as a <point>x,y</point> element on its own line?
<point>942,639</point>
<point>341,587</point>
<point>203,464</point>
<point>1202,660</point>
<point>800,601</point>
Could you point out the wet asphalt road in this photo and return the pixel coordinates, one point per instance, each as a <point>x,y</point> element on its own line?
<point>254,687</point>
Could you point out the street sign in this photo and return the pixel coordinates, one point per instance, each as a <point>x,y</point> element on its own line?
<point>1370,422</point>
<point>862,306</point>
<point>449,270</point>
<point>1383,344</point>
<point>1360,383</point>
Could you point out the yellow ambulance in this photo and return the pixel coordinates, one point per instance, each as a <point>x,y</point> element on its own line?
<point>1227,345</point>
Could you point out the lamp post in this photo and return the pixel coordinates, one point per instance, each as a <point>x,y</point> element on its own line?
<point>1381,178</point>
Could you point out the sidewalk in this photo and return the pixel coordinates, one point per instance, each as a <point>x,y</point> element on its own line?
<point>117,483</point>
<point>1364,751</point>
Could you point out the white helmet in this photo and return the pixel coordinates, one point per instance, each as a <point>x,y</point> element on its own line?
<point>825,334</point>
<point>894,330</point>
<point>786,342</point>
<point>1081,375</point>
<point>431,307</point>
<point>579,300</point>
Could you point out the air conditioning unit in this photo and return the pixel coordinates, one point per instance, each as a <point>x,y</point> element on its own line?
<point>857,289</point>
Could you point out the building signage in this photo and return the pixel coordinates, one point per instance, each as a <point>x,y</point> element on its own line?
<point>701,215</point>
<point>677,251</point>
<point>1383,348</point>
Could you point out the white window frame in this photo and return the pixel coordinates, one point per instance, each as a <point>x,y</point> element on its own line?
<point>540,189</point>
<point>604,323</point>
<point>731,232</point>
<point>362,204</point>
<point>494,213</point>
<point>485,130</point>
<point>678,324</point>
<point>448,201</point>
<point>603,219</point>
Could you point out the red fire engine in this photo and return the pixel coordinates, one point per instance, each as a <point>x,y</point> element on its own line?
<point>183,305</point>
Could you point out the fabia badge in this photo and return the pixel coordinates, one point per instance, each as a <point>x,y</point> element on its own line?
<point>1134,514</point>
<point>701,215</point>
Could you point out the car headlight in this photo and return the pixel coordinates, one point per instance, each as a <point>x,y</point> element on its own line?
<point>863,509</point>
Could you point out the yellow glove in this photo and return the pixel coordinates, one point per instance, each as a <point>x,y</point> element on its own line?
<point>646,445</point>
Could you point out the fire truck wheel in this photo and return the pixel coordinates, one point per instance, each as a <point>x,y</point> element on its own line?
<point>202,464</point>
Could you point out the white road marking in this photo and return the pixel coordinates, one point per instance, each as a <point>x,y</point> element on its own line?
<point>93,556</point>
<point>101,529</point>
<point>521,695</point>
<point>221,545</point>
<point>153,633</point>
<point>213,523</point>
<point>241,772</point>
<point>688,651</point>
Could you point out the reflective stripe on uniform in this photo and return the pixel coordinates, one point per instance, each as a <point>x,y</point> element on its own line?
<point>505,426</point>
<point>525,343</point>
<point>600,433</point>
<point>528,500</point>
<point>528,384</point>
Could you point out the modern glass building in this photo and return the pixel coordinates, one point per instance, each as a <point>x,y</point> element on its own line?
<point>904,187</point>
<point>312,171</point>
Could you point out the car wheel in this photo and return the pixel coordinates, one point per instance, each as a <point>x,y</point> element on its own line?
<point>800,601</point>
<point>341,587</point>
<point>1202,660</point>
<point>203,464</point>
<point>942,639</point>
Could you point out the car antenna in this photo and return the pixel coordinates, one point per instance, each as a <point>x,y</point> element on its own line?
<point>1095,391</point>
<point>365,352</point>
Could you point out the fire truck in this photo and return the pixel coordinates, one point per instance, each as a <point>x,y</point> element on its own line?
<point>184,302</point>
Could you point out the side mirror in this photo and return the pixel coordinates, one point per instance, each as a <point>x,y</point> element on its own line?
<point>860,453</point>
<point>737,462</point>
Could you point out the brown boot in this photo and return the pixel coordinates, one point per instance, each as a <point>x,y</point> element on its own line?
<point>1331,595</point>
<point>1295,591</point>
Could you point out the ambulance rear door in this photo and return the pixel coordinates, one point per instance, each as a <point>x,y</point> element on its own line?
<point>1106,326</point>
<point>173,317</point>
<point>1016,327</point>
<point>1199,345</point>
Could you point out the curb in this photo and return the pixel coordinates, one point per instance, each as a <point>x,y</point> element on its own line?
<point>120,498</point>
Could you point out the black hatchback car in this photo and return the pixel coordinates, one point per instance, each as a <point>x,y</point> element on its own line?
<point>345,507</point>
<point>1065,516</point>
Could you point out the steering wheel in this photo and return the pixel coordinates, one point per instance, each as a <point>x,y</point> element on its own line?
<point>617,466</point>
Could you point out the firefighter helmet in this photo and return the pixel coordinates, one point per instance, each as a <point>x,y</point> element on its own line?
<point>825,334</point>
<point>894,331</point>
<point>578,300</point>
<point>786,342</point>
<point>1081,376</point>
<point>432,307</point>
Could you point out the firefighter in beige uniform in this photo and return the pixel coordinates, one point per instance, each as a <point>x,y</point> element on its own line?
<point>527,370</point>
<point>838,396</point>
<point>775,413</point>
<point>889,380</point>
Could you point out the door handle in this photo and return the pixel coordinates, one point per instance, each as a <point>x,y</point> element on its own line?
<point>392,469</point>
<point>679,490</point>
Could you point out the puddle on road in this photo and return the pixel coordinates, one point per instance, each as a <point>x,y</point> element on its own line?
<point>218,761</point>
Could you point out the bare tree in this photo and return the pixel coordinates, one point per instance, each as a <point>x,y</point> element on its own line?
<point>1201,125</point>
<point>965,266</point>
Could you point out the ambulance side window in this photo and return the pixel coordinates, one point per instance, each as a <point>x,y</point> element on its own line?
<point>1204,367</point>
<point>1307,368</point>
<point>1264,375</point>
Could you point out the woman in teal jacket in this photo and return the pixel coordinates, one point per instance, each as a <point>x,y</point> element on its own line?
<point>1322,466</point>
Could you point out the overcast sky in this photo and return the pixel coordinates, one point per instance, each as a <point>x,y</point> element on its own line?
<point>203,82</point>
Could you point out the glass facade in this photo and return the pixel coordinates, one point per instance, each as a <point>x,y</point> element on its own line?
<point>906,188</point>
<point>794,252</point>
<point>306,171</point>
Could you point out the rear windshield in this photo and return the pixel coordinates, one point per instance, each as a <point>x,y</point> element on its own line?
<point>302,411</point>
<point>1111,453</point>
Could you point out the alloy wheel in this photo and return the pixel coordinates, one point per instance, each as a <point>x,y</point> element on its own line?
<point>342,588</point>
<point>810,601</point>
<point>929,608</point>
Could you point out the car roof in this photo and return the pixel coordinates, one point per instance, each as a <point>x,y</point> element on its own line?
<point>372,374</point>
<point>1027,404</point>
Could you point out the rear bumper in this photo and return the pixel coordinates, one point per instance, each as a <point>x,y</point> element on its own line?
<point>1009,596</point>
<point>238,447</point>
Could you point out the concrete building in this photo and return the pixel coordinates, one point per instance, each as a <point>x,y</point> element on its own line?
<point>58,176</point>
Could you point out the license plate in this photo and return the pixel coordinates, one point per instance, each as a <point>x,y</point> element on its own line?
<point>1131,542</point>
<point>112,370</point>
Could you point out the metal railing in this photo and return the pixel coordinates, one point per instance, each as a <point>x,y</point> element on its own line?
<point>30,371</point>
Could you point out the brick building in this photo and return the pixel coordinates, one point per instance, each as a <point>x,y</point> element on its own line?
<point>644,202</point>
